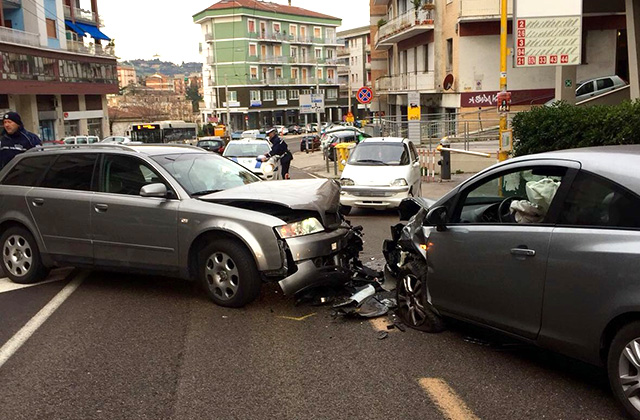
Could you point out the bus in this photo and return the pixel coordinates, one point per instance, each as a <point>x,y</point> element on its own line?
<point>164,132</point>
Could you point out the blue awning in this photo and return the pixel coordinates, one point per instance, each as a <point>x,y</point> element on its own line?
<point>93,31</point>
<point>74,27</point>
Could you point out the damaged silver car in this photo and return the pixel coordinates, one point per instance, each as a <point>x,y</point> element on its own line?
<point>545,248</point>
<point>171,210</point>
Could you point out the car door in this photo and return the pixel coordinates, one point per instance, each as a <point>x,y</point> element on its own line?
<point>489,268</point>
<point>414,177</point>
<point>60,206</point>
<point>130,230</point>
<point>593,275</point>
<point>585,91</point>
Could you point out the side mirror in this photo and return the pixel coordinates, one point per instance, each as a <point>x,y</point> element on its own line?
<point>158,190</point>
<point>437,217</point>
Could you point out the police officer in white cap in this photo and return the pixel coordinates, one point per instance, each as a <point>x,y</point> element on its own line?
<point>279,148</point>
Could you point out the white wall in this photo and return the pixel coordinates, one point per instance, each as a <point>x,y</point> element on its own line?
<point>601,55</point>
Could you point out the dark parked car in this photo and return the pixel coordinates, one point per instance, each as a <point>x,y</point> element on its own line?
<point>212,144</point>
<point>545,248</point>
<point>174,210</point>
<point>310,142</point>
<point>346,136</point>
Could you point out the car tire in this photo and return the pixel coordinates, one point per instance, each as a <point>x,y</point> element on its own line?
<point>21,260</point>
<point>345,210</point>
<point>228,273</point>
<point>413,306</point>
<point>626,344</point>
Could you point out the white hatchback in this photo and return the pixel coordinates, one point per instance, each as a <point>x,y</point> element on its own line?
<point>380,173</point>
<point>247,152</point>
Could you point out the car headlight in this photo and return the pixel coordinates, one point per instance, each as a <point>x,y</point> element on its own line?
<point>347,181</point>
<point>267,168</point>
<point>400,182</point>
<point>301,228</point>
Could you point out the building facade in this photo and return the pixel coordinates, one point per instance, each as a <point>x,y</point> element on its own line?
<point>260,57</point>
<point>355,71</point>
<point>448,51</point>
<point>57,67</point>
<point>126,76</point>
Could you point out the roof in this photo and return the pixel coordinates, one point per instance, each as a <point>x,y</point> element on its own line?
<point>268,7</point>
<point>384,140</point>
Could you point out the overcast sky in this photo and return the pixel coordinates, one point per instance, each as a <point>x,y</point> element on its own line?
<point>144,28</point>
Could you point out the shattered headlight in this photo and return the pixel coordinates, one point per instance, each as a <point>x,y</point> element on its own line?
<point>346,181</point>
<point>400,182</point>
<point>301,228</point>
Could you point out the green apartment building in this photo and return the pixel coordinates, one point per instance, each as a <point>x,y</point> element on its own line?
<point>260,56</point>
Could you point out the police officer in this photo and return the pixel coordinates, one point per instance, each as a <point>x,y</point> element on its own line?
<point>279,148</point>
<point>15,138</point>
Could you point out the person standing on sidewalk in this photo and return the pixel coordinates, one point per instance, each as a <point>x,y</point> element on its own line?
<point>15,139</point>
<point>280,148</point>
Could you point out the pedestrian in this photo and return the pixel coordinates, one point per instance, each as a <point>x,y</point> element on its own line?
<point>280,148</point>
<point>15,139</point>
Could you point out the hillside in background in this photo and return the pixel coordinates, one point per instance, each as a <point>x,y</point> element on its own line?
<point>148,67</point>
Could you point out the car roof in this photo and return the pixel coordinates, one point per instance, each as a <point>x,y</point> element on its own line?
<point>149,149</point>
<point>384,140</point>
<point>248,141</point>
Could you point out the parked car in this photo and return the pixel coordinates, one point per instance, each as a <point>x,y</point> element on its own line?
<point>380,173</point>
<point>116,139</point>
<point>250,134</point>
<point>544,247</point>
<point>198,216</point>
<point>325,138</point>
<point>236,135</point>
<point>212,144</point>
<point>282,130</point>
<point>52,142</point>
<point>309,142</point>
<point>81,140</point>
<point>295,129</point>
<point>591,88</point>
<point>341,136</point>
<point>248,153</point>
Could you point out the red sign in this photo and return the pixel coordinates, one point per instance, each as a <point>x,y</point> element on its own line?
<point>364,95</point>
<point>518,97</point>
<point>564,59</point>
<point>553,59</point>
<point>542,59</point>
<point>522,23</point>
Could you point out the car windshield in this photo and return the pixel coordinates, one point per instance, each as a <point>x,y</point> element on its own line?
<point>246,149</point>
<point>203,173</point>
<point>379,154</point>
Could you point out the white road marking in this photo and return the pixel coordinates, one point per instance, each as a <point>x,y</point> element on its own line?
<point>15,342</point>
<point>7,285</point>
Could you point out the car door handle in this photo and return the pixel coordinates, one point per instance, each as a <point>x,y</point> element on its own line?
<point>101,208</point>
<point>523,252</point>
<point>37,202</point>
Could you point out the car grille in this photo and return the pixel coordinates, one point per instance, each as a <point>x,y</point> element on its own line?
<point>371,193</point>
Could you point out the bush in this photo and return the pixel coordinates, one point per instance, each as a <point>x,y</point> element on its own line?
<point>564,126</point>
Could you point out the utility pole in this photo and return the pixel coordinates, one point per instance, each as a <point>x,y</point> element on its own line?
<point>503,154</point>
<point>226,95</point>
<point>318,93</point>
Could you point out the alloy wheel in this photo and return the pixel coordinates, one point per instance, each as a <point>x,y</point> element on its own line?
<point>410,300</point>
<point>17,255</point>
<point>629,372</point>
<point>222,275</point>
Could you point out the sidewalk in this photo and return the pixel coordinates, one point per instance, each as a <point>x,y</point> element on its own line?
<point>315,164</point>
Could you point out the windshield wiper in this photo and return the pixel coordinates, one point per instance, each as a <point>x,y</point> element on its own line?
<point>371,161</point>
<point>204,192</point>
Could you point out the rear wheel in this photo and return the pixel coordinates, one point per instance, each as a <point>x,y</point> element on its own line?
<point>228,273</point>
<point>21,259</point>
<point>413,306</point>
<point>623,368</point>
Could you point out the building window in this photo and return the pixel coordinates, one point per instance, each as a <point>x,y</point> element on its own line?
<point>318,52</point>
<point>332,93</point>
<point>276,27</point>
<point>319,73</point>
<point>329,53</point>
<point>281,95</point>
<point>253,72</point>
<point>330,74</point>
<point>294,73</point>
<point>329,34</point>
<point>253,50</point>
<point>368,58</point>
<point>305,92</point>
<point>294,51</point>
<point>293,30</point>
<point>449,54</point>
<point>368,76</point>
<point>426,57</point>
<point>277,50</point>
<point>279,72</point>
<point>267,95</point>
<point>303,32</point>
<point>317,32</point>
<point>294,94</point>
<point>233,96</point>
<point>254,95</point>
<point>368,39</point>
<point>51,29</point>
<point>251,25</point>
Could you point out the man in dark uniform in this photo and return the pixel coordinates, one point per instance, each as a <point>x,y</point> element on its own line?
<point>280,148</point>
<point>15,138</point>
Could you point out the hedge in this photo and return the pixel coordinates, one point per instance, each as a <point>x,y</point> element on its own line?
<point>564,126</point>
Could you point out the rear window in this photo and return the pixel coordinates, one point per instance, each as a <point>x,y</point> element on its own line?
<point>28,171</point>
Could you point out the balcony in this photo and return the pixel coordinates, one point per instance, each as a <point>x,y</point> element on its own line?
<point>15,36</point>
<point>401,83</point>
<point>82,15</point>
<point>92,49</point>
<point>299,39</point>
<point>270,36</point>
<point>12,4</point>
<point>482,9</point>
<point>343,52</point>
<point>208,37</point>
<point>404,27</point>
<point>343,70</point>
<point>274,59</point>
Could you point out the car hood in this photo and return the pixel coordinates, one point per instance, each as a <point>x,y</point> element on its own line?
<point>251,163</point>
<point>316,195</point>
<point>375,175</point>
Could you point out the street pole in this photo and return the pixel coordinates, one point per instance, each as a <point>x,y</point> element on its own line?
<point>503,154</point>
<point>226,96</point>
<point>318,93</point>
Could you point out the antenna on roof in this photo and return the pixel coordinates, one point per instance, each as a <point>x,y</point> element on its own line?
<point>289,2</point>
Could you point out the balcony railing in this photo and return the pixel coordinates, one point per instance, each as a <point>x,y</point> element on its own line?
<point>271,36</point>
<point>404,22</point>
<point>299,39</point>
<point>342,51</point>
<point>82,15</point>
<point>208,37</point>
<point>15,36</point>
<point>420,81</point>
<point>93,49</point>
<point>482,8</point>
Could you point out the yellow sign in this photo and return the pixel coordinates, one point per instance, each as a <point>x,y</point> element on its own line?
<point>350,117</point>
<point>413,113</point>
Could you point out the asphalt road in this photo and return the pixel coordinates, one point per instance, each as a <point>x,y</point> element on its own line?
<point>139,347</point>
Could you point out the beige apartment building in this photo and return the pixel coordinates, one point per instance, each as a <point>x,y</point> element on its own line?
<point>126,75</point>
<point>355,72</point>
<point>448,51</point>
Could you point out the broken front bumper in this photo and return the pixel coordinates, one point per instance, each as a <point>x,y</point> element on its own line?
<point>321,258</point>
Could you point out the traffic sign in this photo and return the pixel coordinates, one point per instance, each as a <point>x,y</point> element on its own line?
<point>364,95</point>
<point>350,117</point>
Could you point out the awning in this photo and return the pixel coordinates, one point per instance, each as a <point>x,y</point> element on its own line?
<point>93,31</point>
<point>74,27</point>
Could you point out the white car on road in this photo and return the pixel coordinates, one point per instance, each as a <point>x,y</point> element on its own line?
<point>247,152</point>
<point>380,173</point>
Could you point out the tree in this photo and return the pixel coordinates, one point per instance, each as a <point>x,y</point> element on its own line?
<point>194,96</point>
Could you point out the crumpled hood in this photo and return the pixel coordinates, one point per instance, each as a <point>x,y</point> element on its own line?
<point>321,195</point>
